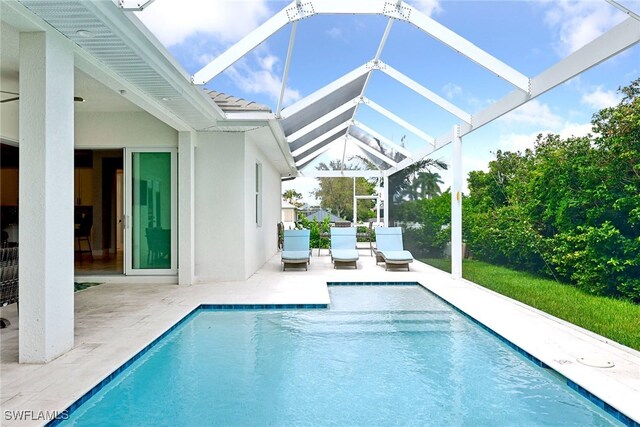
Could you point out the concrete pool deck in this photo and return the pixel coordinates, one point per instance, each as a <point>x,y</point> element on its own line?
<point>116,320</point>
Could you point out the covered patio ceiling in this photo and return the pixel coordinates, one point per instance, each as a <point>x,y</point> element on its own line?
<point>327,117</point>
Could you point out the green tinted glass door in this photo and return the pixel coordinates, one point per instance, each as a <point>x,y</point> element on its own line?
<point>151,218</point>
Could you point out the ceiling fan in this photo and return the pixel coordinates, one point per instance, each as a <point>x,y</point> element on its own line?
<point>16,96</point>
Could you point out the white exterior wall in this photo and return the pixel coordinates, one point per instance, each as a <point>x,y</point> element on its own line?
<point>46,328</point>
<point>9,121</point>
<point>186,208</point>
<point>129,129</point>
<point>104,130</point>
<point>219,207</point>
<point>228,243</point>
<point>260,241</point>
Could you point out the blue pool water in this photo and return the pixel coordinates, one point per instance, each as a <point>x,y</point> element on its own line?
<point>381,355</point>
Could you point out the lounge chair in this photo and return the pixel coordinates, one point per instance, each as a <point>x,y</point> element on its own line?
<point>389,248</point>
<point>343,247</point>
<point>295,252</point>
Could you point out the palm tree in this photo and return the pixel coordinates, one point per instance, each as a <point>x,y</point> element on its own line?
<point>402,180</point>
<point>425,185</point>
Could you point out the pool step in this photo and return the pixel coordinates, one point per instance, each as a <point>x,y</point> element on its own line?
<point>368,322</point>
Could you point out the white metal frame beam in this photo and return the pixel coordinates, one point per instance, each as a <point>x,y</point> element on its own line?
<point>287,64</point>
<point>244,46</point>
<point>617,39</point>
<point>384,139</point>
<point>318,152</point>
<point>408,126</point>
<point>322,120</point>
<point>626,10</point>
<point>321,138</point>
<point>424,92</point>
<point>466,48</point>
<point>614,41</point>
<point>456,204</point>
<point>383,41</point>
<point>371,150</point>
<point>347,173</point>
<point>402,11</point>
<point>326,90</point>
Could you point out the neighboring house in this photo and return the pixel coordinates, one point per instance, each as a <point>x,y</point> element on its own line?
<point>307,209</point>
<point>289,215</point>
<point>321,214</point>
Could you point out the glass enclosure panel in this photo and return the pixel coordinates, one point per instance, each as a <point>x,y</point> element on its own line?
<point>423,211</point>
<point>151,210</point>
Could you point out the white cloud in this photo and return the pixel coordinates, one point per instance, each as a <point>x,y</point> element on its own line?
<point>262,79</point>
<point>577,22</point>
<point>338,147</point>
<point>575,129</point>
<point>304,186</point>
<point>521,141</point>
<point>599,98</point>
<point>335,33</point>
<point>267,62</point>
<point>427,7</point>
<point>468,164</point>
<point>534,113</point>
<point>452,90</point>
<point>518,141</point>
<point>206,58</point>
<point>173,21</point>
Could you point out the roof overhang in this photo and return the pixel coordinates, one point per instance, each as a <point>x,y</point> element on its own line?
<point>125,57</point>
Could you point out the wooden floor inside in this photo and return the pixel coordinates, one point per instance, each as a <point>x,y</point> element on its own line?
<point>104,264</point>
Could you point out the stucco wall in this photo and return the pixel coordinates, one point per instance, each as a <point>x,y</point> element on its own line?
<point>9,120</point>
<point>130,129</point>
<point>260,241</point>
<point>104,130</point>
<point>219,207</point>
<point>229,245</point>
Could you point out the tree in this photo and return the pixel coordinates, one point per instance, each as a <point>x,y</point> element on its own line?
<point>401,183</point>
<point>293,197</point>
<point>425,185</point>
<point>569,207</point>
<point>336,194</point>
<point>402,180</point>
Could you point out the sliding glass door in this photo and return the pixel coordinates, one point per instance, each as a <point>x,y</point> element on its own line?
<point>151,212</point>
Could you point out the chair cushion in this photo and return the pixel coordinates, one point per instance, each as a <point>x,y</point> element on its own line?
<point>397,256</point>
<point>345,254</point>
<point>295,255</point>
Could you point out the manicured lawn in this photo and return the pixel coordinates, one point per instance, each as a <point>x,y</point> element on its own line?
<point>614,319</point>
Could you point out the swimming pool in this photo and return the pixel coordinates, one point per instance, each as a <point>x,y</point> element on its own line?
<point>381,355</point>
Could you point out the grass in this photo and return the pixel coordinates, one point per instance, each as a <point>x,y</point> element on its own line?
<point>615,319</point>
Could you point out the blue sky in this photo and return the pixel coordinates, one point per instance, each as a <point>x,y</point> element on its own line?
<point>529,36</point>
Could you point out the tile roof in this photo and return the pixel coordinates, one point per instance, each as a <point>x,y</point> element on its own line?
<point>230,103</point>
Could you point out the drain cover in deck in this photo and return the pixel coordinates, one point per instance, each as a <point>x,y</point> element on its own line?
<point>596,362</point>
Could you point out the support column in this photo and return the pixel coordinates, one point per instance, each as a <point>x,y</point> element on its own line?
<point>355,203</point>
<point>456,205</point>
<point>378,204</point>
<point>46,197</point>
<point>186,207</point>
<point>387,202</point>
